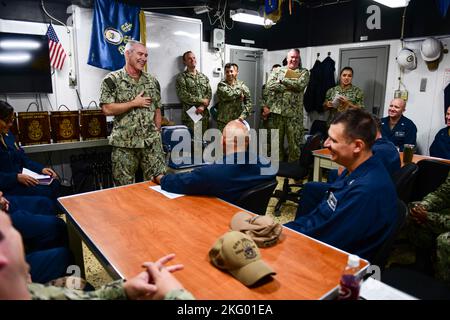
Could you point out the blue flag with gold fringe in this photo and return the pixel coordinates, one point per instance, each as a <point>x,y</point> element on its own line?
<point>443,7</point>
<point>113,25</point>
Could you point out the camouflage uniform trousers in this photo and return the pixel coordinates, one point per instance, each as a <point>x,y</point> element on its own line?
<point>125,162</point>
<point>434,234</point>
<point>221,125</point>
<point>292,128</point>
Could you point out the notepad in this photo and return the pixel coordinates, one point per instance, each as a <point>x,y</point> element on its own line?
<point>291,74</point>
<point>194,116</point>
<point>336,102</point>
<point>42,178</point>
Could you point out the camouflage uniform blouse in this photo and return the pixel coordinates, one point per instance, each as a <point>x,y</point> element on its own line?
<point>192,89</point>
<point>111,291</point>
<point>230,104</point>
<point>440,199</point>
<point>286,94</point>
<point>135,128</point>
<point>352,93</point>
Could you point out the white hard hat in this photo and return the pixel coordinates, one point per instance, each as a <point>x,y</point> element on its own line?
<point>407,59</point>
<point>431,49</point>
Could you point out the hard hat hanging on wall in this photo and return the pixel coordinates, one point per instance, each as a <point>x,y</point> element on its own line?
<point>431,51</point>
<point>407,59</point>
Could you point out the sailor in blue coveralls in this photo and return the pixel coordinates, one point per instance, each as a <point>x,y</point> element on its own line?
<point>358,211</point>
<point>227,180</point>
<point>441,145</point>
<point>382,149</point>
<point>44,235</point>
<point>13,159</point>
<point>398,128</point>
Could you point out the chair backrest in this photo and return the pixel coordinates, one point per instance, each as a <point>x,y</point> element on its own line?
<point>257,198</point>
<point>404,180</point>
<point>432,173</point>
<point>381,256</point>
<point>173,135</point>
<point>319,126</point>
<point>313,143</point>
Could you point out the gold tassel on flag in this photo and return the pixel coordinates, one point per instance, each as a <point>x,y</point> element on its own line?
<point>143,31</point>
<point>274,16</point>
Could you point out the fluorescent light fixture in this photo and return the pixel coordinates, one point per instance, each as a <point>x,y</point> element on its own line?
<point>250,16</point>
<point>394,3</point>
<point>201,9</point>
<point>187,34</point>
<point>14,58</point>
<point>153,45</point>
<point>19,44</point>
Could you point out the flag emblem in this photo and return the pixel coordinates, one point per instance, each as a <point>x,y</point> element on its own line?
<point>113,25</point>
<point>113,36</point>
<point>57,53</point>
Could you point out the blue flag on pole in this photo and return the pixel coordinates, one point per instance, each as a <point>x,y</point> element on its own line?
<point>113,25</point>
<point>443,6</point>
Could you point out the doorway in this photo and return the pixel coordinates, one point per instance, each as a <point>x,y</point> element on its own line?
<point>250,71</point>
<point>370,65</point>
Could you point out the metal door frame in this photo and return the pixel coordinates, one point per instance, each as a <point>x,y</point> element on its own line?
<point>387,48</point>
<point>259,75</point>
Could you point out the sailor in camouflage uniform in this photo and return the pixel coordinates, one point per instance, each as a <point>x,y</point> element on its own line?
<point>193,89</point>
<point>285,88</point>
<point>350,96</point>
<point>234,97</point>
<point>133,289</point>
<point>429,227</point>
<point>133,97</point>
<point>156,282</point>
<point>266,102</point>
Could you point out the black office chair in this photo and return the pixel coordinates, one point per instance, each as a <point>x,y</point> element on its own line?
<point>171,136</point>
<point>404,180</point>
<point>380,258</point>
<point>319,126</point>
<point>431,175</point>
<point>415,283</point>
<point>256,199</point>
<point>298,170</point>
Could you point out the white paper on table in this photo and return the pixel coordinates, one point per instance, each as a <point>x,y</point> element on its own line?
<point>191,113</point>
<point>169,195</point>
<point>42,178</point>
<point>372,289</point>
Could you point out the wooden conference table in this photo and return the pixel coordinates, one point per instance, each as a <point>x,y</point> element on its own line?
<point>322,160</point>
<point>128,225</point>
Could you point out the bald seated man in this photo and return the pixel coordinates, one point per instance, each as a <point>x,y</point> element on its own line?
<point>229,177</point>
<point>396,127</point>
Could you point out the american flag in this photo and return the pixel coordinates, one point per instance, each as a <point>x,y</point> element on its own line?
<point>57,53</point>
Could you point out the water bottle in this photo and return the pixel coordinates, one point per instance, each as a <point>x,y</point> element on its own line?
<point>350,282</point>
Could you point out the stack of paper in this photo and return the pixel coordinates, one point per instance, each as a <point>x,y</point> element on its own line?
<point>169,195</point>
<point>42,178</point>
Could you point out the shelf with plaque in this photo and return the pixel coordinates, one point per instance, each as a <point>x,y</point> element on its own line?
<point>65,146</point>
